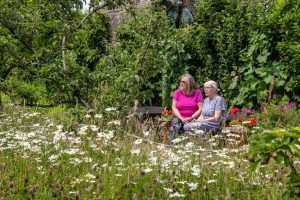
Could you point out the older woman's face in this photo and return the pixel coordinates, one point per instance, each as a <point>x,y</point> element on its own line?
<point>209,91</point>
<point>184,84</point>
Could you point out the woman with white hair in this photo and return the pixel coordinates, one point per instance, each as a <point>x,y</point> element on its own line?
<point>214,108</point>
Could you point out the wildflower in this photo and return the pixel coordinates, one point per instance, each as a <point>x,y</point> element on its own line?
<point>234,110</point>
<point>116,122</point>
<point>292,104</point>
<point>240,119</point>
<point>142,172</point>
<point>147,170</point>
<point>262,108</point>
<point>281,105</point>
<point>231,164</point>
<point>168,112</point>
<point>196,171</point>
<point>211,181</point>
<point>176,194</point>
<point>99,116</point>
<point>139,141</point>
<point>110,109</point>
<point>146,133</point>
<point>90,176</point>
<point>118,175</point>
<point>193,186</point>
<point>278,111</point>
<point>169,190</point>
<point>252,121</point>
<point>136,151</point>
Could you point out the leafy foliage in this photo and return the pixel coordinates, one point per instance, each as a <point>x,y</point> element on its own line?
<point>239,45</point>
<point>281,145</point>
<point>146,62</point>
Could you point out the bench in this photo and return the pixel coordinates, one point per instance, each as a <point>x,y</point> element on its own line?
<point>148,111</point>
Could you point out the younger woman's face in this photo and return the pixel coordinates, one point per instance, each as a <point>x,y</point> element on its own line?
<point>184,84</point>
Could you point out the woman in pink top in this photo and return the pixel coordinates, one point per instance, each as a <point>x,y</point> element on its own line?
<point>186,106</point>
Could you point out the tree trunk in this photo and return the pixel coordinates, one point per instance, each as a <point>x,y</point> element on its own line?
<point>179,14</point>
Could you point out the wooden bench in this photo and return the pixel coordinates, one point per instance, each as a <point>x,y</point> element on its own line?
<point>147,111</point>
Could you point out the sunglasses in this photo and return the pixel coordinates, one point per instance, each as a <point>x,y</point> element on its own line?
<point>182,82</point>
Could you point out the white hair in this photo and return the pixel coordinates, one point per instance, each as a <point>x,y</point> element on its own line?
<point>212,84</point>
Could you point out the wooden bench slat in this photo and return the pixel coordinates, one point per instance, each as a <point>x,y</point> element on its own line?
<point>150,110</point>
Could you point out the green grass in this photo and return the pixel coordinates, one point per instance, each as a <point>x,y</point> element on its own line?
<point>41,158</point>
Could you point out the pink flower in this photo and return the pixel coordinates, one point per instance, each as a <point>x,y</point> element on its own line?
<point>292,104</point>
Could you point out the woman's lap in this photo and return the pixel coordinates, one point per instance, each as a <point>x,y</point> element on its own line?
<point>198,126</point>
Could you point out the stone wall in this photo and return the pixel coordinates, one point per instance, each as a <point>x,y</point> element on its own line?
<point>118,16</point>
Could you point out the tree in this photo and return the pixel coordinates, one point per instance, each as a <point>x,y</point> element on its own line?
<point>52,42</point>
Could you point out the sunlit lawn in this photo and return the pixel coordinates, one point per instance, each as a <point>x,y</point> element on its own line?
<point>106,157</point>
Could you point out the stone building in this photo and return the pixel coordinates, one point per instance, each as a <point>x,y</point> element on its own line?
<point>118,16</point>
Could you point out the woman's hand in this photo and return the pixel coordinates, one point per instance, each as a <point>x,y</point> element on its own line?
<point>200,119</point>
<point>187,119</point>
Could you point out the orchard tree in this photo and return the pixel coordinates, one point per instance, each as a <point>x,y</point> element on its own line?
<point>52,44</point>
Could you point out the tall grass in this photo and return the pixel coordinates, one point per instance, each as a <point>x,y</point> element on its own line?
<point>50,155</point>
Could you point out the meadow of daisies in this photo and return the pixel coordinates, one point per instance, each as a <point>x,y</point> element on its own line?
<point>49,155</point>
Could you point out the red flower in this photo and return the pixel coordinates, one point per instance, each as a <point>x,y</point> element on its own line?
<point>240,119</point>
<point>252,121</point>
<point>234,110</point>
<point>168,112</point>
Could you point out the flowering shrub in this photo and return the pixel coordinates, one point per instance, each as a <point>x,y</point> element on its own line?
<point>270,115</point>
<point>167,115</point>
<point>275,115</point>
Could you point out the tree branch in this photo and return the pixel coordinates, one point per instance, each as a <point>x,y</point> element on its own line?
<point>26,41</point>
<point>90,14</point>
<point>63,44</point>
